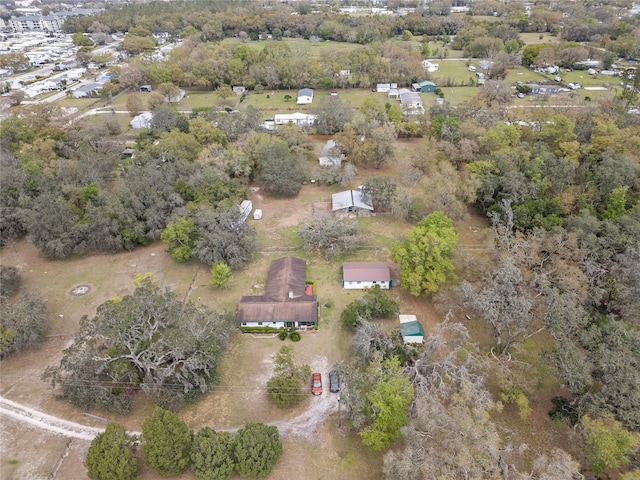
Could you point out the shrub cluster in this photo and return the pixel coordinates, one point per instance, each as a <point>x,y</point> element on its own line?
<point>169,447</point>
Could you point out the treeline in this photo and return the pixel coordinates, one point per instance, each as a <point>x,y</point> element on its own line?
<point>213,21</point>
<point>277,65</point>
<point>169,447</point>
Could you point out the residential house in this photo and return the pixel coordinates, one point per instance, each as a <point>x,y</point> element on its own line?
<point>426,86</point>
<point>287,302</point>
<point>411,329</point>
<point>299,119</point>
<point>305,96</point>
<point>411,102</point>
<point>350,201</point>
<point>330,155</point>
<point>86,90</point>
<point>360,275</point>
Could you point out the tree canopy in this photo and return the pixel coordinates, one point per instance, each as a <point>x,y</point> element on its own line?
<point>285,386</point>
<point>257,449</point>
<point>110,455</point>
<point>23,322</point>
<point>148,341</point>
<point>212,455</point>
<point>424,255</point>
<point>166,442</point>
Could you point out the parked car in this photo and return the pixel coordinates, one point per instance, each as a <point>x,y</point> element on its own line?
<point>472,68</point>
<point>334,382</point>
<point>316,383</point>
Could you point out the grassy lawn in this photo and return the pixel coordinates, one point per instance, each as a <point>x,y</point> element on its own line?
<point>534,37</point>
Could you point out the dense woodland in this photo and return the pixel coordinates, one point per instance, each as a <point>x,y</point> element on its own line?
<point>562,192</point>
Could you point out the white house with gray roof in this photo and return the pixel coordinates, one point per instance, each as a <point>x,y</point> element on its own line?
<point>305,96</point>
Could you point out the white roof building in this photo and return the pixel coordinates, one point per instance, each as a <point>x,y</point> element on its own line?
<point>330,155</point>
<point>141,121</point>
<point>350,201</point>
<point>299,119</point>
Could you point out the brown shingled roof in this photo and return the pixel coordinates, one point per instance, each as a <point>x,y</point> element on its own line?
<point>286,275</point>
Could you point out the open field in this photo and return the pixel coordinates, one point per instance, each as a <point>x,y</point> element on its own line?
<point>534,37</point>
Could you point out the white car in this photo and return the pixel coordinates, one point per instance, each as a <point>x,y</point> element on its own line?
<point>472,68</point>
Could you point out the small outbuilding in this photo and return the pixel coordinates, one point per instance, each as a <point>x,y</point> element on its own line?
<point>257,214</point>
<point>305,96</point>
<point>361,275</point>
<point>411,329</point>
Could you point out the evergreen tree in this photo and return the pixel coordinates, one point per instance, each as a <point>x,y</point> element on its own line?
<point>110,456</point>
<point>166,442</point>
<point>257,449</point>
<point>212,455</point>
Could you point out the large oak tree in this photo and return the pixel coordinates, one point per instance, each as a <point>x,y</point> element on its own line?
<point>149,341</point>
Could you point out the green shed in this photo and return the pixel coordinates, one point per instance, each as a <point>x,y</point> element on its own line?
<point>411,329</point>
<point>426,86</point>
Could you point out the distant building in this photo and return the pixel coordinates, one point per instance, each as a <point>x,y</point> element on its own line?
<point>245,209</point>
<point>430,67</point>
<point>86,90</point>
<point>305,96</point>
<point>426,86</point>
<point>299,119</point>
<point>411,103</point>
